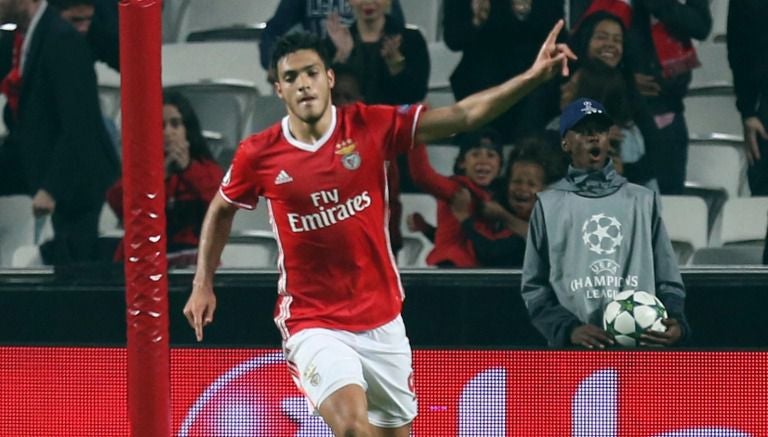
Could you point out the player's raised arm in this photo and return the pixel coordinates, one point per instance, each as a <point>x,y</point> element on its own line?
<point>478,109</point>
<point>213,236</point>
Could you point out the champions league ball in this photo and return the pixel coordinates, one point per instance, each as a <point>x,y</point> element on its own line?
<point>631,313</point>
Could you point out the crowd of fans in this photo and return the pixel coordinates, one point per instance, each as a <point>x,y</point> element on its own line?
<point>637,60</point>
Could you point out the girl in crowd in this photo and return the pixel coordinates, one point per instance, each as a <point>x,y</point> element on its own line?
<point>192,178</point>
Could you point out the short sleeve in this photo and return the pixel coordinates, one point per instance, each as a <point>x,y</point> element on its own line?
<point>406,118</point>
<point>239,184</point>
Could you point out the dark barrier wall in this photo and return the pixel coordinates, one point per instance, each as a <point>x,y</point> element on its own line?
<point>458,308</point>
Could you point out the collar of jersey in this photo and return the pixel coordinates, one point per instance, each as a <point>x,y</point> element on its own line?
<point>314,147</point>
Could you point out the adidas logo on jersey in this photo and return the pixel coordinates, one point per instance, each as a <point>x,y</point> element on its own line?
<point>282,178</point>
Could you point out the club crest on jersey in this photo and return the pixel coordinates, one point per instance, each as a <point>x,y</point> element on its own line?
<point>350,157</point>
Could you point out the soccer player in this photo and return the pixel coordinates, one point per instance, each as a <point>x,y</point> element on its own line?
<point>322,171</point>
<point>592,235</point>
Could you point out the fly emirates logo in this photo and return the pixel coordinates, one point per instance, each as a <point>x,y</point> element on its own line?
<point>329,210</point>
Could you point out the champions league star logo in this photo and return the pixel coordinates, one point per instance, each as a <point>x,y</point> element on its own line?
<point>350,158</point>
<point>602,234</point>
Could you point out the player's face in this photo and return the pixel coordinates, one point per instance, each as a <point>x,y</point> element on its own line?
<point>588,144</point>
<point>606,43</point>
<point>370,10</point>
<point>174,130</point>
<point>481,165</point>
<point>526,179</point>
<point>304,84</point>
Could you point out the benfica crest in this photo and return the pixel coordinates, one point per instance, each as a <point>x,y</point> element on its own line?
<point>350,157</point>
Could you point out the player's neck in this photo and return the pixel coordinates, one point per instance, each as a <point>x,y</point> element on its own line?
<point>310,132</point>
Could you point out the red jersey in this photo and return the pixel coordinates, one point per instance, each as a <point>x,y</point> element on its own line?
<point>328,203</point>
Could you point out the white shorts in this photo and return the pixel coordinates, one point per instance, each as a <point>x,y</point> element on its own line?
<point>322,361</point>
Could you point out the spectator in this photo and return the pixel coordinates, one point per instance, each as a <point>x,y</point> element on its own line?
<point>97,20</point>
<point>498,40</point>
<point>603,75</point>
<point>528,173</point>
<point>57,149</point>
<point>747,38</point>
<point>192,178</point>
<point>662,58</point>
<point>311,16</point>
<point>568,276</point>
<point>391,61</point>
<point>477,168</point>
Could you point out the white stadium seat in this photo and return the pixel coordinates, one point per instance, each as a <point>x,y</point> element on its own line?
<point>685,218</point>
<point>416,246</point>
<point>744,220</point>
<point>257,250</point>
<point>199,15</point>
<point>718,163</point>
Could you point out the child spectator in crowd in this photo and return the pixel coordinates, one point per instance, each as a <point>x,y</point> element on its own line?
<point>192,178</point>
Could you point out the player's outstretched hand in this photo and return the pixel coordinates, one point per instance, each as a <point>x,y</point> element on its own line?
<point>199,308</point>
<point>590,336</point>
<point>553,57</point>
<point>667,338</point>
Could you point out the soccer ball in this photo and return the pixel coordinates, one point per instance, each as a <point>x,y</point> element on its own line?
<point>631,313</point>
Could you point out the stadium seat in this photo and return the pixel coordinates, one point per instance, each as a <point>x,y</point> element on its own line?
<point>685,218</point>
<point>248,221</point>
<point>416,246</point>
<point>427,15</point>
<point>269,109</point>
<point>719,10</point>
<point>715,72</point>
<point>205,15</point>
<point>109,223</point>
<point>437,98</point>
<point>744,221</point>
<point>235,63</point>
<point>712,111</point>
<point>443,61</point>
<point>442,157</point>
<point>256,250</point>
<point>718,163</point>
<point>728,255</point>
<point>27,256</point>
<point>17,226</point>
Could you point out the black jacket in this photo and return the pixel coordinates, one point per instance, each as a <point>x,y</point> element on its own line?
<point>59,138</point>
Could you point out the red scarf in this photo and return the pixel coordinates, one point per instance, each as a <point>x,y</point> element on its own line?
<point>676,56</point>
<point>11,84</point>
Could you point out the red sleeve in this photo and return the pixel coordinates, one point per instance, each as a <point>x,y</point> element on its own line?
<point>239,184</point>
<point>426,178</point>
<point>204,178</point>
<point>115,198</point>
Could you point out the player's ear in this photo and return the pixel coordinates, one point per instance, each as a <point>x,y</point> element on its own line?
<point>278,89</point>
<point>331,77</point>
<point>564,145</point>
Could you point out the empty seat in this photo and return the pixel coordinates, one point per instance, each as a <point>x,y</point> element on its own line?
<point>416,246</point>
<point>257,250</point>
<point>17,226</point>
<point>729,255</point>
<point>26,256</point>
<point>235,63</point>
<point>715,163</point>
<point>268,110</point>
<point>427,15</point>
<point>710,111</point>
<point>744,220</point>
<point>443,61</point>
<point>685,218</point>
<point>201,15</point>
<point>714,71</point>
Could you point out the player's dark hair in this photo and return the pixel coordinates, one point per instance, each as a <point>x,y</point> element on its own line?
<point>198,148</point>
<point>293,42</point>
